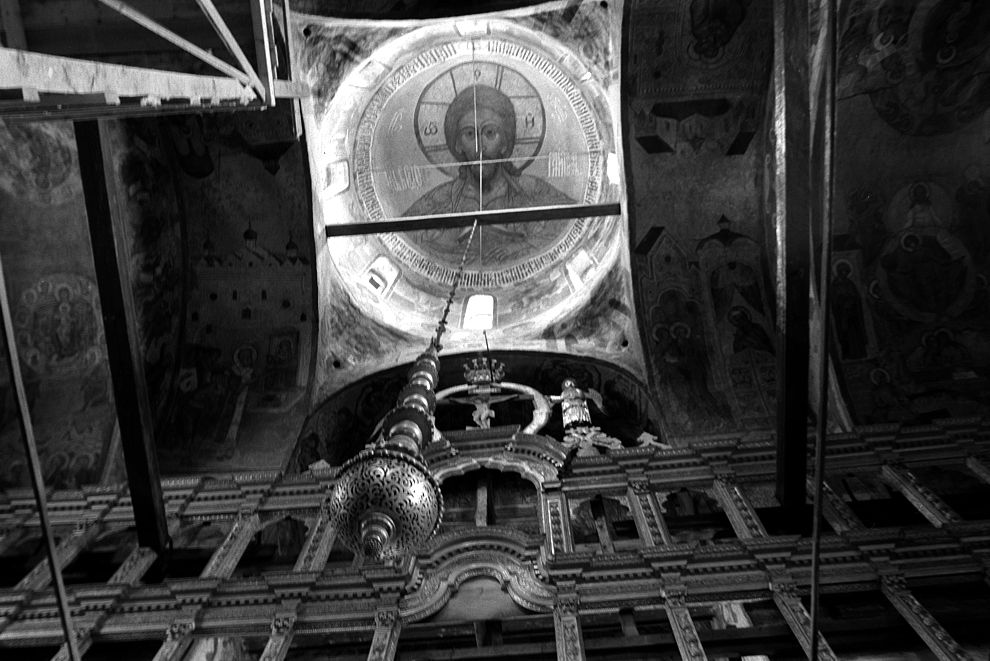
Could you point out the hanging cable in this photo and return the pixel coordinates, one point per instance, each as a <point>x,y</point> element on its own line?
<point>829,20</point>
<point>442,324</point>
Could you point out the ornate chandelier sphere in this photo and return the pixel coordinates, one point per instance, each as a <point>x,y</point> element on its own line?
<point>385,504</point>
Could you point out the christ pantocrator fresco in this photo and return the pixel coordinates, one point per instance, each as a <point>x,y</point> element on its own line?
<point>480,132</point>
<point>495,125</point>
<point>482,114</point>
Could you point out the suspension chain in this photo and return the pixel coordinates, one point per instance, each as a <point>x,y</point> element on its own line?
<point>442,326</point>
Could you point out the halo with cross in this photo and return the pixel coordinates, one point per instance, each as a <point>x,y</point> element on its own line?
<point>431,110</point>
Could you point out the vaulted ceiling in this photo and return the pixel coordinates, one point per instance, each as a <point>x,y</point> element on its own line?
<point>257,327</point>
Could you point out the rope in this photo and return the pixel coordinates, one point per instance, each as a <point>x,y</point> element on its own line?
<point>442,325</point>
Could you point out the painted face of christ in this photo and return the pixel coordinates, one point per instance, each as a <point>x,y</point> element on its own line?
<point>480,126</point>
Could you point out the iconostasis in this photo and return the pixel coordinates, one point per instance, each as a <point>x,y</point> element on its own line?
<point>434,122</point>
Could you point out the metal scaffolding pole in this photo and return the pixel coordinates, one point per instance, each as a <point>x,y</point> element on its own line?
<point>37,481</point>
<point>831,39</point>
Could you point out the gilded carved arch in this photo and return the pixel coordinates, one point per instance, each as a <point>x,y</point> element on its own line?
<point>530,468</point>
<point>436,585</point>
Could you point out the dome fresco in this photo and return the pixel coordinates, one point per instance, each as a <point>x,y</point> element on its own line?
<point>460,116</point>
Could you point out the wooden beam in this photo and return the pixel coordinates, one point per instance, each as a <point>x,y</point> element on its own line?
<point>13,24</point>
<point>261,13</point>
<point>43,113</point>
<point>111,258</point>
<point>216,20</point>
<point>18,96</point>
<point>297,121</point>
<point>501,217</point>
<point>183,43</point>
<point>66,75</point>
<point>793,264</point>
<point>291,89</point>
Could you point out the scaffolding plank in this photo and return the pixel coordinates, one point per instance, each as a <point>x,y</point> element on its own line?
<point>290,89</point>
<point>261,14</point>
<point>17,96</point>
<point>65,75</point>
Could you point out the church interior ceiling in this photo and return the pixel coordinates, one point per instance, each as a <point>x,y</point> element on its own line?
<point>391,132</point>
<point>911,259</point>
<point>698,77</point>
<point>256,326</point>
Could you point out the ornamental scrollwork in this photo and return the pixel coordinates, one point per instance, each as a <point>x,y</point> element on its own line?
<point>179,629</point>
<point>572,640</point>
<point>386,618</point>
<point>282,623</point>
<point>688,634</point>
<point>567,604</point>
<point>556,525</point>
<point>894,582</point>
<point>676,597</point>
<point>640,486</point>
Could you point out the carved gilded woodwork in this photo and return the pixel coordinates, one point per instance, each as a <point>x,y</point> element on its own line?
<point>938,640</point>
<point>318,544</point>
<point>529,566</point>
<point>514,570</point>
<point>280,639</point>
<point>928,504</point>
<point>226,557</point>
<point>742,516</point>
<point>788,601</point>
<point>386,636</point>
<point>567,627</point>
<point>835,510</point>
<point>685,633</point>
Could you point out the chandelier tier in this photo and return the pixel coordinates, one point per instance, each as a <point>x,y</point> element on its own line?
<point>386,503</point>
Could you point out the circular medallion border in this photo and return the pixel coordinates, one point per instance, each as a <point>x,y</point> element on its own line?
<point>502,43</point>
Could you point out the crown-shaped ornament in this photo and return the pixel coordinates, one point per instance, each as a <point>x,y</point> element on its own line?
<point>480,372</point>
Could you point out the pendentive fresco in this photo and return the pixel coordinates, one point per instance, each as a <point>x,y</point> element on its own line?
<point>479,114</point>
<point>911,260</point>
<point>697,76</point>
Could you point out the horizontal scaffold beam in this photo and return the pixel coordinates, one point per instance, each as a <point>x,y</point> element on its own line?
<point>66,75</point>
<point>500,217</point>
<point>40,86</point>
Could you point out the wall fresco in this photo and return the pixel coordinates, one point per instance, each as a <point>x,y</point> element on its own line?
<point>911,310</point>
<point>697,75</point>
<point>141,178</point>
<point>709,330</point>
<point>923,65</point>
<point>420,118</point>
<point>48,267</point>
<point>244,365</point>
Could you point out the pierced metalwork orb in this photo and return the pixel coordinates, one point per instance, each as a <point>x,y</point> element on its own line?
<point>385,504</point>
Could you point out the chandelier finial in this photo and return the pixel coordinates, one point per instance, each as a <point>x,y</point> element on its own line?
<point>386,502</point>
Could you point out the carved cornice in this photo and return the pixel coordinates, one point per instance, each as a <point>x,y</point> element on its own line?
<point>438,583</point>
<point>531,468</point>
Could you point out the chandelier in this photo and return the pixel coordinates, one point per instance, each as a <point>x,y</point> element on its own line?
<point>386,503</point>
